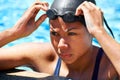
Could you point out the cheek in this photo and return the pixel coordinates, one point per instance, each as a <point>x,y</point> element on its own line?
<point>85,40</point>
<point>81,44</point>
<point>54,42</point>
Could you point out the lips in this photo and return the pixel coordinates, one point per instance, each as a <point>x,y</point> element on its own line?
<point>65,55</point>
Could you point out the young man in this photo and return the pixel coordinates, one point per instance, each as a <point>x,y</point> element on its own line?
<point>71,53</point>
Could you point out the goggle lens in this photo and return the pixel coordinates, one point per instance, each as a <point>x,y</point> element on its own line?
<point>67,17</point>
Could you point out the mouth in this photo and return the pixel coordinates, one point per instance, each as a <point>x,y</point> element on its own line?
<point>65,55</point>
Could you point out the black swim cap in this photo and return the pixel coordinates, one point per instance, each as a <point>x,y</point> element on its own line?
<point>66,9</point>
<point>63,6</point>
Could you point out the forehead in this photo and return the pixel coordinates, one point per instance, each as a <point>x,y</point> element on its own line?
<point>59,23</point>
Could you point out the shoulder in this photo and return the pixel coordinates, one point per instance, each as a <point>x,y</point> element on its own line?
<point>41,55</point>
<point>35,48</point>
<point>40,51</point>
<point>107,67</point>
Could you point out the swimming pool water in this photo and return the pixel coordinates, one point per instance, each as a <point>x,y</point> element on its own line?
<point>12,10</point>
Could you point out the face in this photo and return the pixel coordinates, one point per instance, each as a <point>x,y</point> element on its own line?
<point>70,40</point>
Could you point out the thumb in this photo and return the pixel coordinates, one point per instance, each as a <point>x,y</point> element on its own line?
<point>41,19</point>
<point>79,11</point>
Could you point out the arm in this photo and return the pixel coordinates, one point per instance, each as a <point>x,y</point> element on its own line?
<point>94,21</point>
<point>13,56</point>
<point>111,48</point>
<point>17,55</point>
<point>7,36</point>
<point>25,25</point>
<point>33,54</point>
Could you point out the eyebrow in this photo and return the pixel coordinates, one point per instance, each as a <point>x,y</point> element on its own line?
<point>69,29</point>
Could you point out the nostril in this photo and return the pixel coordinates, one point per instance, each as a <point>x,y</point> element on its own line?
<point>62,48</point>
<point>59,51</point>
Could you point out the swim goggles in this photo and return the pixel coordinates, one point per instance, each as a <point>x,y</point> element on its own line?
<point>68,16</point>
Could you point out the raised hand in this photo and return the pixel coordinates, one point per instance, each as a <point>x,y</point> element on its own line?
<point>27,23</point>
<point>93,17</point>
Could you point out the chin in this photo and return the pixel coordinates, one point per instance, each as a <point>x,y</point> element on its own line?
<point>68,61</point>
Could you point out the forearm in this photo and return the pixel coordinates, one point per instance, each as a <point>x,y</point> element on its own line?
<point>13,33</point>
<point>10,58</point>
<point>6,65</point>
<point>111,48</point>
<point>7,36</point>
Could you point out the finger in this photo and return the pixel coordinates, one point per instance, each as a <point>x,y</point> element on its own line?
<point>42,4</point>
<point>40,20</point>
<point>83,8</point>
<point>88,5</point>
<point>36,8</point>
<point>93,5</point>
<point>33,11</point>
<point>80,10</point>
<point>96,8</point>
<point>46,5</point>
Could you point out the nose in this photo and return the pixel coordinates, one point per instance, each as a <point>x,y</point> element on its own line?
<point>62,44</point>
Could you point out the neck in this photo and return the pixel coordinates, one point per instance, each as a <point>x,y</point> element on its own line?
<point>85,62</point>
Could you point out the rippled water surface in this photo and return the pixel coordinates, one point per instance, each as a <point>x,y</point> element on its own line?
<point>12,10</point>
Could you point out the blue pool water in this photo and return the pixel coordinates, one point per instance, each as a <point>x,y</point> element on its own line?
<point>12,10</point>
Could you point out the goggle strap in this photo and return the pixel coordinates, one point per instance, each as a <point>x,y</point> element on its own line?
<point>108,27</point>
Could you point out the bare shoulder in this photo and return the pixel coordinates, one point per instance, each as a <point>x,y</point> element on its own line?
<point>38,49</point>
<point>41,55</point>
<point>107,68</point>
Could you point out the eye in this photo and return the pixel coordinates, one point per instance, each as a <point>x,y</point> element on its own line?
<point>54,33</point>
<point>72,33</point>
